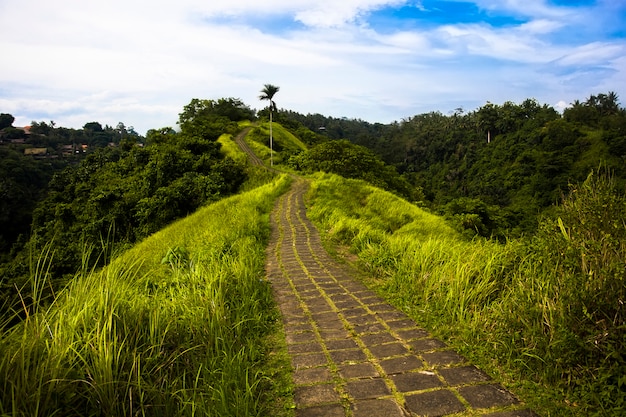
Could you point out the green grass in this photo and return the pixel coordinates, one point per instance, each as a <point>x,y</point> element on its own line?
<point>175,326</point>
<point>230,148</point>
<point>257,176</point>
<point>285,143</point>
<point>511,308</point>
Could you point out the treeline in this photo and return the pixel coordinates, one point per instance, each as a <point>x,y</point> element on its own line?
<point>493,170</point>
<point>119,195</point>
<point>25,175</point>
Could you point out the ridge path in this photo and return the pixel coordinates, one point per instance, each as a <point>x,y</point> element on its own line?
<point>352,353</point>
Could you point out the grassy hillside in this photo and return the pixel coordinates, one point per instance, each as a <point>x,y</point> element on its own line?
<point>543,314</point>
<point>175,326</point>
<point>178,324</point>
<point>256,175</point>
<point>285,144</point>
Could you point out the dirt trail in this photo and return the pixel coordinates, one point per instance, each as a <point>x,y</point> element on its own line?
<point>352,353</point>
<point>240,140</point>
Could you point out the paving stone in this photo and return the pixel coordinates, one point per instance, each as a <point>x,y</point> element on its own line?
<point>434,403</point>
<point>400,365</point>
<point>388,350</point>
<point>337,290</point>
<point>354,312</point>
<point>298,328</point>
<point>306,395</point>
<point>318,307</point>
<point>348,355</point>
<point>416,381</point>
<point>309,292</point>
<point>334,334</point>
<point>401,324</point>
<point>308,312</point>
<point>346,305</point>
<point>486,396</point>
<point>308,360</point>
<point>369,328</point>
<point>304,348</point>
<point>361,320</point>
<point>326,317</point>
<point>376,408</point>
<point>364,292</point>
<point>358,370</point>
<point>367,388</point>
<point>329,410</point>
<point>392,315</point>
<point>341,297</point>
<point>424,345</point>
<point>312,376</point>
<point>331,286</point>
<point>372,300</point>
<point>303,337</point>
<point>381,308</point>
<point>444,357</point>
<point>463,375</point>
<point>292,321</point>
<point>330,324</point>
<point>377,338</point>
<point>354,287</point>
<point>341,344</point>
<point>291,305</point>
<point>411,334</point>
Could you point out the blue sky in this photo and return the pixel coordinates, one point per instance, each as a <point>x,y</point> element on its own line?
<point>141,61</point>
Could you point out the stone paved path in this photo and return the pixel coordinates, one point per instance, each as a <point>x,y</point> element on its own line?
<point>352,353</point>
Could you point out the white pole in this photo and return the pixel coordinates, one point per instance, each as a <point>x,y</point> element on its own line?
<point>271,141</point>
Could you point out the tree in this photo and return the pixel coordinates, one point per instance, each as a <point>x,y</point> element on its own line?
<point>268,93</point>
<point>6,120</point>
<point>93,127</point>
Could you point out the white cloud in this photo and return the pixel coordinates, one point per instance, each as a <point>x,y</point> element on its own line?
<point>527,8</point>
<point>141,61</point>
<point>592,54</point>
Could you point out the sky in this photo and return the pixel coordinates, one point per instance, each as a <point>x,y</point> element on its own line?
<point>140,62</point>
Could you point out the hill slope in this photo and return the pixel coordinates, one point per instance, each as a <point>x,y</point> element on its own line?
<point>174,326</point>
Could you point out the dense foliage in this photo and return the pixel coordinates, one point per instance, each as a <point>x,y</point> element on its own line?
<point>549,308</point>
<point>119,195</point>
<point>493,170</point>
<point>353,161</point>
<point>175,326</point>
<point>25,176</point>
<point>23,181</point>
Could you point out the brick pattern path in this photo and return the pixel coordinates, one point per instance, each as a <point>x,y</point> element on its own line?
<point>352,353</point>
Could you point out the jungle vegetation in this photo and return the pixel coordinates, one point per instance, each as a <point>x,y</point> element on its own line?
<point>509,219</point>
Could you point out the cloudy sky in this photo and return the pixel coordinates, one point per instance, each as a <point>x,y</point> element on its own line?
<point>139,62</point>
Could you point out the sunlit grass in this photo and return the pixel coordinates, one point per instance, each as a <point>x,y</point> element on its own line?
<point>230,148</point>
<point>285,143</point>
<point>505,306</point>
<point>174,327</point>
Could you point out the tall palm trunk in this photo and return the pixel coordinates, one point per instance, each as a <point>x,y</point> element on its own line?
<point>268,94</point>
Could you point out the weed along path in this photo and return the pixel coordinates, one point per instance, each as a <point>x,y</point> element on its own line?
<point>352,353</point>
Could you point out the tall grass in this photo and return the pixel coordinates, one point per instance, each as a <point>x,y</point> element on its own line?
<point>230,148</point>
<point>173,327</point>
<point>549,310</point>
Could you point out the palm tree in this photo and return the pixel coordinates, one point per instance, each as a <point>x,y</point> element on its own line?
<point>268,93</point>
